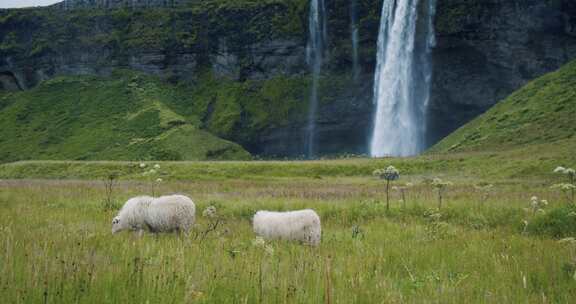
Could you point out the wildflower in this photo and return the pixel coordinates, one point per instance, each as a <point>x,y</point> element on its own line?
<point>435,216</point>
<point>152,171</point>
<point>389,174</point>
<point>564,186</point>
<point>158,180</point>
<point>142,165</point>
<point>560,169</point>
<point>534,202</point>
<point>156,166</point>
<point>537,205</point>
<point>209,212</point>
<point>258,242</point>
<point>269,250</point>
<point>568,240</point>
<point>409,184</point>
<point>439,183</point>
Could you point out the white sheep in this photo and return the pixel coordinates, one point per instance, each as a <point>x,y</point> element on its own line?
<point>301,225</point>
<point>163,214</point>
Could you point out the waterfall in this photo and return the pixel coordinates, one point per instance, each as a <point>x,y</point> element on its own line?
<point>402,78</point>
<point>314,54</point>
<point>354,38</point>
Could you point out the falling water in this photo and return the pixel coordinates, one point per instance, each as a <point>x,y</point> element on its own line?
<point>354,34</point>
<point>402,78</point>
<point>314,54</point>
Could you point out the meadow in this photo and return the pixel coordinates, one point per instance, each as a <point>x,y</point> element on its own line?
<point>485,245</point>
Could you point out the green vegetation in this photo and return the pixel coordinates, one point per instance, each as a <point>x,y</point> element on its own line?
<point>537,121</point>
<point>57,246</point>
<point>126,117</point>
<point>52,31</point>
<point>241,110</point>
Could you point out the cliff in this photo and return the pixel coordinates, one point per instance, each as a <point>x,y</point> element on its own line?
<point>246,60</point>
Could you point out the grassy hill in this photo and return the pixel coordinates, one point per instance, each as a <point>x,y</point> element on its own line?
<point>128,116</point>
<point>539,119</point>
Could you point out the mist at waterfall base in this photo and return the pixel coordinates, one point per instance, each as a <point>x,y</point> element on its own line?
<point>314,57</point>
<point>402,77</point>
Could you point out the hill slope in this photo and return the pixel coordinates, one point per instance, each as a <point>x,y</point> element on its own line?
<point>540,118</point>
<point>125,117</point>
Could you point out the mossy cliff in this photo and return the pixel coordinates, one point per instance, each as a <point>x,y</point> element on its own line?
<point>241,63</point>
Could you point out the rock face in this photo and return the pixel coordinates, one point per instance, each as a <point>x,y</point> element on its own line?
<point>78,4</point>
<point>486,50</point>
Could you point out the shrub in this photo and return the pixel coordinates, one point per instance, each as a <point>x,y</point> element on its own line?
<point>557,223</point>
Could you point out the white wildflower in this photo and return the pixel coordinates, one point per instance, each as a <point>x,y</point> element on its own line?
<point>158,180</point>
<point>156,166</point>
<point>152,171</point>
<point>209,212</point>
<point>564,186</point>
<point>258,242</point>
<point>269,250</point>
<point>568,240</point>
<point>439,183</point>
<point>390,173</point>
<point>560,169</point>
<point>142,165</point>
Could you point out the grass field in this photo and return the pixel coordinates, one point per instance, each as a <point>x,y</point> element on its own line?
<point>56,245</point>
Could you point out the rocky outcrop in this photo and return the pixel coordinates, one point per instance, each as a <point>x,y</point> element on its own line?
<point>486,50</point>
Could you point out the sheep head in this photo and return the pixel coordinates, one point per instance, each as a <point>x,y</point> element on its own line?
<point>117,225</point>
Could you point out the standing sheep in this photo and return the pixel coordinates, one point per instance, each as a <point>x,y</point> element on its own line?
<point>301,225</point>
<point>163,214</point>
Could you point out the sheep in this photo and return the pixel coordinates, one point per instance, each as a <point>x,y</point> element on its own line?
<point>163,214</point>
<point>300,225</point>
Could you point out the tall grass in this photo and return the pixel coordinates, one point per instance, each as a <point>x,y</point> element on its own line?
<point>56,247</point>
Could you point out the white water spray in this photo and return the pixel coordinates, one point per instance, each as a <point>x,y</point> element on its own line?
<point>314,57</point>
<point>402,78</point>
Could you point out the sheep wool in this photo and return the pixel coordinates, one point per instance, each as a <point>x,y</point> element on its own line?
<point>163,214</point>
<point>300,225</point>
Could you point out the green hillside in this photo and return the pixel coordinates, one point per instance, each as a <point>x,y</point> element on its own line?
<point>538,119</point>
<point>127,116</point>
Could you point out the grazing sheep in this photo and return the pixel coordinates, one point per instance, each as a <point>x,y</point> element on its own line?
<point>163,214</point>
<point>301,225</point>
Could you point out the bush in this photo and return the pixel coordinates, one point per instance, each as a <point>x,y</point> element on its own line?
<point>557,223</point>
